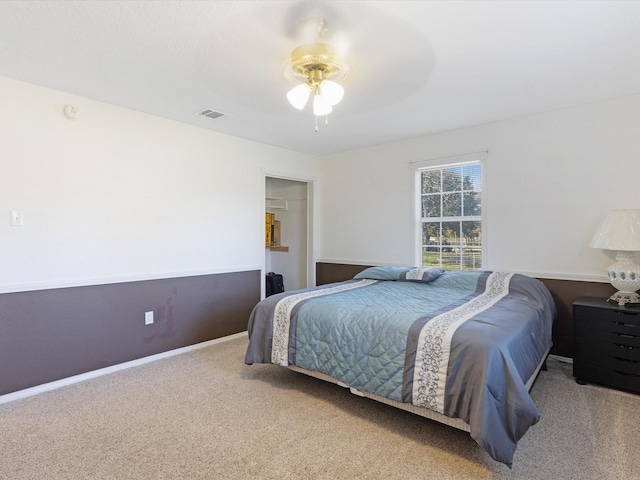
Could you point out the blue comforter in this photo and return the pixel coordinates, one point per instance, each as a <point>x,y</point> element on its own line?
<point>462,344</point>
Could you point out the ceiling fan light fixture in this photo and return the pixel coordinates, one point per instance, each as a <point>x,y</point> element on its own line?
<point>299,95</point>
<point>318,65</point>
<point>320,105</point>
<point>332,91</point>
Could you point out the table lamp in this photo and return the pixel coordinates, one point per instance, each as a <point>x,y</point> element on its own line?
<point>620,231</point>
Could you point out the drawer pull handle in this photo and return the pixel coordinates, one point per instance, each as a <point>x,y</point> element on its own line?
<point>623,312</point>
<point>626,335</point>
<point>626,374</point>
<point>628,325</point>
<point>626,360</point>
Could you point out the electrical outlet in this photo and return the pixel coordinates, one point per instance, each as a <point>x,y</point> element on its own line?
<point>148,318</point>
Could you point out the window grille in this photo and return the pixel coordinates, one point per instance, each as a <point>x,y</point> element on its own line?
<point>449,200</point>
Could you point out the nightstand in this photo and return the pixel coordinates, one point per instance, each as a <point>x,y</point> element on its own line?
<point>606,343</point>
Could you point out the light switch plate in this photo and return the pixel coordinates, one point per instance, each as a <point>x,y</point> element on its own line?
<point>17,218</point>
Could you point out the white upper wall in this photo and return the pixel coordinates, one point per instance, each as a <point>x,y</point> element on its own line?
<point>117,194</point>
<point>549,179</point>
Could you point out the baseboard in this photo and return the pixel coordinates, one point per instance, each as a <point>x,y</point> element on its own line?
<point>561,358</point>
<point>45,387</point>
<point>28,392</point>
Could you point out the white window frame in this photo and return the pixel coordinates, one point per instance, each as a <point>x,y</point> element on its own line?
<point>416,197</point>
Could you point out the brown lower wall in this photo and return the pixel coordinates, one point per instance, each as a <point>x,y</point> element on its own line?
<point>47,335</point>
<point>564,293</point>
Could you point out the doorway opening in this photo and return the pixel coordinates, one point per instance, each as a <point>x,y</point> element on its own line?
<point>289,253</point>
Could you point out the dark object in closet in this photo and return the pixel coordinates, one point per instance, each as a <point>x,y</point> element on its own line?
<point>274,283</point>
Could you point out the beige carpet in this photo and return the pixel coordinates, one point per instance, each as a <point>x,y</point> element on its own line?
<point>206,415</point>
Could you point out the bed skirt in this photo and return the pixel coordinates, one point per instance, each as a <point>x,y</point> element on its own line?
<point>423,412</point>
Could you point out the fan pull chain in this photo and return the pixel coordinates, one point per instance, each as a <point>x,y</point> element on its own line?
<point>326,122</point>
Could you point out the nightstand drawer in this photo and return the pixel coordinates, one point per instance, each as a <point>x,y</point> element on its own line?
<point>618,336</point>
<point>608,377</point>
<point>608,356</point>
<point>622,321</point>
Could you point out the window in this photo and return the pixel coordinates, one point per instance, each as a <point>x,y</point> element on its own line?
<point>450,206</point>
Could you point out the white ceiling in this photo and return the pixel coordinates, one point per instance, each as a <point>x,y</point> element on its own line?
<point>417,67</point>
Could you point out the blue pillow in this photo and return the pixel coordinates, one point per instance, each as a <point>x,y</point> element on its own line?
<point>422,274</point>
<point>407,274</point>
<point>382,273</point>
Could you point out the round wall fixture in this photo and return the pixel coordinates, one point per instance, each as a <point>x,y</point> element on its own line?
<point>71,111</point>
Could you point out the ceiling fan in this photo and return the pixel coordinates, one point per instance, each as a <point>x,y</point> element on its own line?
<point>349,52</point>
<point>319,67</point>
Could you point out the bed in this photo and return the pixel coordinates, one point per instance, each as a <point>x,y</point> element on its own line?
<point>459,347</point>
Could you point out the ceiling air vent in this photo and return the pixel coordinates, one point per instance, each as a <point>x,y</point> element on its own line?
<point>210,113</point>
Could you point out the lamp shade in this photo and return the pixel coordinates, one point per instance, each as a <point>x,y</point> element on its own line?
<point>620,230</point>
<point>299,95</point>
<point>332,91</point>
<point>320,105</point>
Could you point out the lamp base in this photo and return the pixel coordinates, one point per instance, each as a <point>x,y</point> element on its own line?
<point>622,298</point>
<point>624,275</point>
